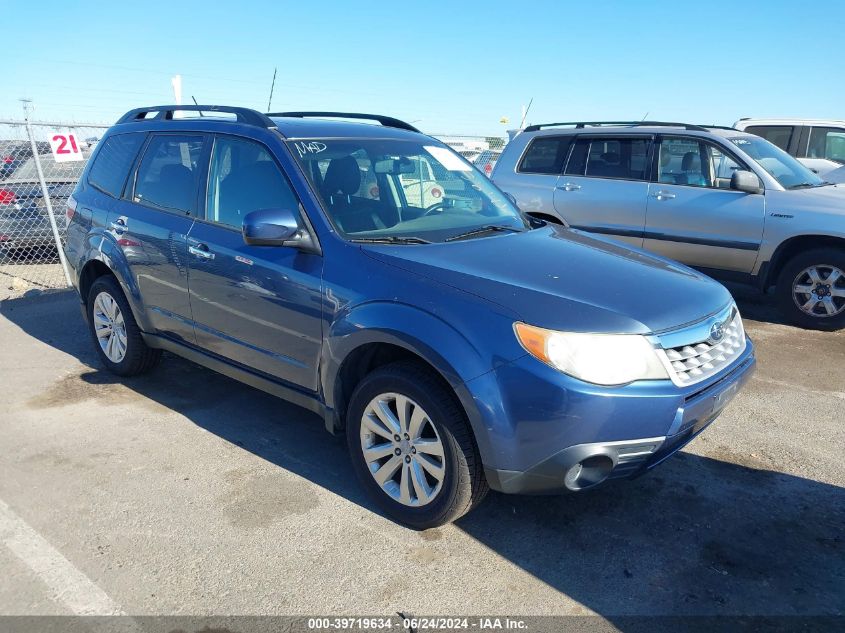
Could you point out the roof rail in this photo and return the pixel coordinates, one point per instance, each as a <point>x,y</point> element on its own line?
<point>387,121</point>
<point>721,127</point>
<point>583,124</point>
<point>165,113</point>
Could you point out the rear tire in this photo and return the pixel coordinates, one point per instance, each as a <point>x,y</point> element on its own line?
<point>811,289</point>
<point>435,423</point>
<point>117,338</point>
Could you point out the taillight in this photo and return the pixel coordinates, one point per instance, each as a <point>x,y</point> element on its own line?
<point>488,168</point>
<point>70,210</point>
<point>8,159</point>
<point>7,197</point>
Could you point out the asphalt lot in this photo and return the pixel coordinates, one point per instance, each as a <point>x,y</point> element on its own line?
<point>184,492</point>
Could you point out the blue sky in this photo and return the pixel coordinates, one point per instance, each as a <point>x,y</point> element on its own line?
<point>453,67</point>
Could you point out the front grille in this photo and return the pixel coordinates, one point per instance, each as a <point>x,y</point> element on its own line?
<point>697,361</point>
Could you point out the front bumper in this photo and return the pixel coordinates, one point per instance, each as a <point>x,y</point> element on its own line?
<point>616,448</point>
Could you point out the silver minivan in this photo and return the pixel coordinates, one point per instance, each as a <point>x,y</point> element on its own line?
<point>727,202</point>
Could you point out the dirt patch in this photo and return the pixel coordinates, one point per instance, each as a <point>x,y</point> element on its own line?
<point>260,501</point>
<point>75,388</point>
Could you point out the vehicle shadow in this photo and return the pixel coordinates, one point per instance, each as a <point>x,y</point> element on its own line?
<point>755,305</point>
<point>701,535</point>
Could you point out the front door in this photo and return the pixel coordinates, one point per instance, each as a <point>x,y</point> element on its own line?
<point>259,306</point>
<point>604,187</point>
<point>151,225</point>
<point>694,216</point>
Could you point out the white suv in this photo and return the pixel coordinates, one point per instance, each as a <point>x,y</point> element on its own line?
<point>819,144</point>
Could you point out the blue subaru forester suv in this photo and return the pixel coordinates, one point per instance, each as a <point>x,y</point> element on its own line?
<point>372,275</point>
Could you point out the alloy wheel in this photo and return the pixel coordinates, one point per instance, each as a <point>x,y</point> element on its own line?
<point>820,291</point>
<point>402,449</point>
<point>109,327</point>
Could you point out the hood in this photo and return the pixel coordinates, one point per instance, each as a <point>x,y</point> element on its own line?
<point>829,199</point>
<point>564,279</point>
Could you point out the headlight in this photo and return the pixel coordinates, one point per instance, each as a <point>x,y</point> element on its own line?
<point>603,359</point>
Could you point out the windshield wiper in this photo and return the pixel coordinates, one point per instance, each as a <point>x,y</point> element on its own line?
<point>390,239</point>
<point>489,228</point>
<point>803,185</point>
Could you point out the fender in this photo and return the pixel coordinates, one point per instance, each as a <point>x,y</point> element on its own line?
<point>101,247</point>
<point>428,336</point>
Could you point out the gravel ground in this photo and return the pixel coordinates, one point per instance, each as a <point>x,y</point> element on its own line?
<point>184,492</point>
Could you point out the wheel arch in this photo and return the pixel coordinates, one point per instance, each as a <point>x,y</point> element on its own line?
<point>104,257</point>
<point>380,333</point>
<point>792,247</point>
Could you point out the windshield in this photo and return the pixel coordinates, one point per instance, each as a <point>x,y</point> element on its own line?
<point>784,168</point>
<point>403,190</point>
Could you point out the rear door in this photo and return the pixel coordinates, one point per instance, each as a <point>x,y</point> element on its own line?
<point>151,224</point>
<point>259,306</point>
<point>604,186</point>
<point>694,216</point>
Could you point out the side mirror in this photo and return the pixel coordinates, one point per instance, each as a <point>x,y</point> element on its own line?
<point>746,181</point>
<point>273,227</point>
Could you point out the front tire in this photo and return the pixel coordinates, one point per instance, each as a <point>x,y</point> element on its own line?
<point>811,289</point>
<point>412,448</point>
<point>117,338</point>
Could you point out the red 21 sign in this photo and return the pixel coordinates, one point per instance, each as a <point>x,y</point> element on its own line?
<point>65,147</point>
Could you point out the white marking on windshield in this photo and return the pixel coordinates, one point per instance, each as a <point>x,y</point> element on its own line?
<point>310,147</point>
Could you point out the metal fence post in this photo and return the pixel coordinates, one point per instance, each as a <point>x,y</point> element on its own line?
<point>46,194</point>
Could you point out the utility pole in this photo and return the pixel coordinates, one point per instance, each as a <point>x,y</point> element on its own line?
<point>45,192</point>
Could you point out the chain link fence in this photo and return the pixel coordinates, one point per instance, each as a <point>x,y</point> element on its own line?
<point>481,151</point>
<point>36,180</point>
<point>40,163</point>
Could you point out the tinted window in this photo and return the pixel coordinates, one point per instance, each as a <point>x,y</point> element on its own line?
<point>779,135</point>
<point>578,158</point>
<point>622,158</point>
<point>113,162</point>
<point>544,156</point>
<point>245,178</point>
<point>169,173</point>
<point>827,142</point>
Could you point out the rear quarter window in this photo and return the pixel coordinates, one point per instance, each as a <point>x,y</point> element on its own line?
<point>544,155</point>
<point>113,161</point>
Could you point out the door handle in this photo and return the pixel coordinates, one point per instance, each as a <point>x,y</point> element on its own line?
<point>119,226</point>
<point>663,195</point>
<point>201,250</point>
<point>569,186</point>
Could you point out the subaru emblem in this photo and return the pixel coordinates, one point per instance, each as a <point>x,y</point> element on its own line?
<point>717,332</point>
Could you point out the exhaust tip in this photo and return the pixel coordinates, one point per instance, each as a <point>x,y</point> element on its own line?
<point>588,472</point>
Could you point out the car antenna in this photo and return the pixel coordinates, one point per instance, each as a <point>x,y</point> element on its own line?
<point>525,114</point>
<point>645,116</point>
<point>272,85</point>
<point>196,104</point>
